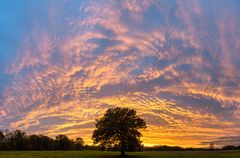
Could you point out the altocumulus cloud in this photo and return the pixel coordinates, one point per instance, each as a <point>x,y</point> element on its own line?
<point>175,62</point>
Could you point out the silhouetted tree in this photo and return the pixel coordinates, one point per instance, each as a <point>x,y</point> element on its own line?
<point>78,143</point>
<point>230,147</point>
<point>119,127</point>
<point>62,142</point>
<point>1,139</point>
<point>34,142</point>
<point>18,140</point>
<point>40,142</point>
<point>15,140</point>
<point>47,143</point>
<point>211,146</point>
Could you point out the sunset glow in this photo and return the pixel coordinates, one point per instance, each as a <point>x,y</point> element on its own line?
<point>63,63</point>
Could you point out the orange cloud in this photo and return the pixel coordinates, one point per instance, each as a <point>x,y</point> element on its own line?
<point>178,71</point>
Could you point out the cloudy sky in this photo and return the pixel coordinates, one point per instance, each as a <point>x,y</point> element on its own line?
<point>63,63</point>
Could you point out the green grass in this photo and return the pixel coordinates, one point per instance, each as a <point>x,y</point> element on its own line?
<point>105,154</point>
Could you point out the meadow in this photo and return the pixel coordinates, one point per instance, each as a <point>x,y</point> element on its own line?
<point>106,154</point>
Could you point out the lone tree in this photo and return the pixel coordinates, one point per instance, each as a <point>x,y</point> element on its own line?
<point>119,128</point>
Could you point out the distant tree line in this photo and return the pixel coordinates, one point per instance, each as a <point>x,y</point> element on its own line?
<point>19,140</point>
<point>231,147</point>
<point>177,148</point>
<point>163,148</point>
<point>171,148</point>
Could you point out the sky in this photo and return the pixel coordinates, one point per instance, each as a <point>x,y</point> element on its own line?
<point>63,63</point>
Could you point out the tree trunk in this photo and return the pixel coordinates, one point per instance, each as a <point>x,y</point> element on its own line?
<point>122,149</point>
<point>122,153</point>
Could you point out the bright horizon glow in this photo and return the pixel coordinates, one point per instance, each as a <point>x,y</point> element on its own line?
<point>64,63</point>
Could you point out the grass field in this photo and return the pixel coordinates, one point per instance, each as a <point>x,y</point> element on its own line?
<point>103,154</point>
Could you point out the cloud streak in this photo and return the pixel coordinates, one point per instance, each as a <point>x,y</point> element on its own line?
<point>174,62</point>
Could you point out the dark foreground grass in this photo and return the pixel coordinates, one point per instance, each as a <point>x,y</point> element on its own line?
<point>104,154</point>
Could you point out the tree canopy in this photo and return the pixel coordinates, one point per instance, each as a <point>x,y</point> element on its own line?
<point>18,140</point>
<point>119,129</point>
